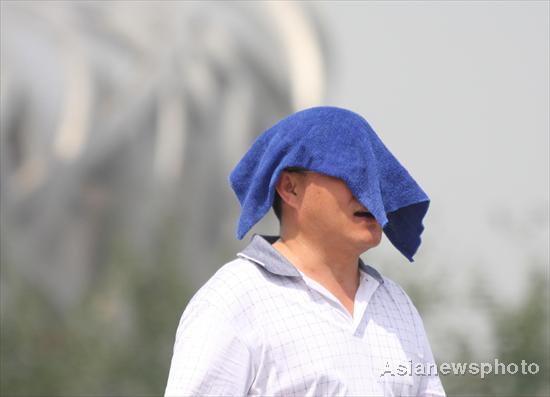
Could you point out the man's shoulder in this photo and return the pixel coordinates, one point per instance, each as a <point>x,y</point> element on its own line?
<point>239,274</point>
<point>233,287</point>
<point>391,289</point>
<point>394,292</point>
<point>393,286</point>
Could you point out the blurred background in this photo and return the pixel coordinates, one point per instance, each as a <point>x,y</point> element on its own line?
<point>120,122</point>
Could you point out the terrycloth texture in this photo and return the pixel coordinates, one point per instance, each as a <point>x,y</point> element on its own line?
<point>339,143</point>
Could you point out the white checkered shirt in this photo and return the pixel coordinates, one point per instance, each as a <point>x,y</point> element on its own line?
<point>259,327</point>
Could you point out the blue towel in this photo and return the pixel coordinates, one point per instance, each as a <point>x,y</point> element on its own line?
<point>339,143</point>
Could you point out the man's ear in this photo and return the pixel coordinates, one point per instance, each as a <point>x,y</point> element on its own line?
<point>287,187</point>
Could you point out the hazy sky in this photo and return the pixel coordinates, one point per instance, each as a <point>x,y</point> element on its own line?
<point>459,91</point>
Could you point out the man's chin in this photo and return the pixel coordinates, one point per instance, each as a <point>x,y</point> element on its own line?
<point>370,242</point>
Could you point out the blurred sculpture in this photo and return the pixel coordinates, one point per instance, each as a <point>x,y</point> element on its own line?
<point>118,118</point>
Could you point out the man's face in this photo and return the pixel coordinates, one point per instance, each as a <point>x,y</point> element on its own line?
<point>329,210</point>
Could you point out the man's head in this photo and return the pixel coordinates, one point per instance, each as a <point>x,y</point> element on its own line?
<point>322,207</point>
<point>340,143</point>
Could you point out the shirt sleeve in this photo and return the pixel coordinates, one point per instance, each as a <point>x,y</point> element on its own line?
<point>209,358</point>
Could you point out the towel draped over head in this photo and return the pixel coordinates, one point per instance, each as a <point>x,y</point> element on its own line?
<point>338,143</point>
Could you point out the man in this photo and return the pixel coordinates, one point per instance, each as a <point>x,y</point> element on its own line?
<point>300,313</point>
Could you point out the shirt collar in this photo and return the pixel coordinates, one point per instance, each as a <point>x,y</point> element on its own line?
<point>260,251</point>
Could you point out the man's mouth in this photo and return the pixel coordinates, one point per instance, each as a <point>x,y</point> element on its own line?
<point>364,214</point>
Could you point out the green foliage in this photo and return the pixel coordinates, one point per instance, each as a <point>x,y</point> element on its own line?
<point>117,341</point>
<point>521,332</point>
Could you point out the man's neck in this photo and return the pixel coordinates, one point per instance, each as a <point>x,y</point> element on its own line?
<point>333,268</point>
